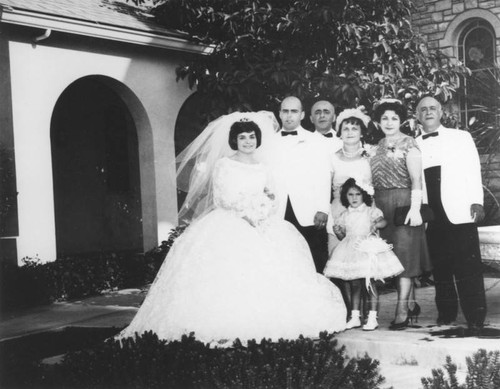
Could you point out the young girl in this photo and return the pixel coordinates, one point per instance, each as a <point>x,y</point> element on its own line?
<point>361,253</point>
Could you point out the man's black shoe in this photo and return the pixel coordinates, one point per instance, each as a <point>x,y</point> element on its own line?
<point>443,321</point>
<point>474,329</point>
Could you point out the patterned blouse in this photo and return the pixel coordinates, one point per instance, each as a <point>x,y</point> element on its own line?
<point>389,169</point>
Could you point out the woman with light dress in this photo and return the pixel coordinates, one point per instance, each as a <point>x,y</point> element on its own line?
<point>397,178</point>
<point>236,271</point>
<point>350,161</point>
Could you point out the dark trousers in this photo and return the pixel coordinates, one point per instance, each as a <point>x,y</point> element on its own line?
<point>456,258</point>
<point>316,239</point>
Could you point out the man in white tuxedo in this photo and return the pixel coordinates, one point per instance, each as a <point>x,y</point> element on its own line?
<point>322,117</point>
<point>303,179</point>
<point>454,190</point>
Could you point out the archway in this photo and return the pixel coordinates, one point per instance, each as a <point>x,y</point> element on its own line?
<point>188,126</point>
<point>96,171</point>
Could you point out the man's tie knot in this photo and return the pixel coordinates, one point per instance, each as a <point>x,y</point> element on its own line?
<point>285,133</point>
<point>328,135</point>
<point>425,136</point>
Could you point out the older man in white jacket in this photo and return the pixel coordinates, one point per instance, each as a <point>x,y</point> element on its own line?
<point>454,190</point>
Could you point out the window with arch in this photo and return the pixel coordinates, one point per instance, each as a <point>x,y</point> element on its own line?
<point>477,50</point>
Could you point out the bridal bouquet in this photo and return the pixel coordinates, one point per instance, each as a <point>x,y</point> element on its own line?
<point>259,206</point>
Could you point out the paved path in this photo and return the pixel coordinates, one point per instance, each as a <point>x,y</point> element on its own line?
<point>405,356</point>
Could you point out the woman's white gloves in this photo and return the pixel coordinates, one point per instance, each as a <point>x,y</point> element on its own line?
<point>414,218</point>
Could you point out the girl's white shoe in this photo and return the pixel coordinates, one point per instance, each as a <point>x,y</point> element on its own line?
<point>372,322</point>
<point>354,321</point>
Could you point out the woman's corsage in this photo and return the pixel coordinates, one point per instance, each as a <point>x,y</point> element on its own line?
<point>368,151</point>
<point>394,152</point>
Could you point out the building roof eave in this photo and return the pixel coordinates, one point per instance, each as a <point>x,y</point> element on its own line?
<point>79,27</point>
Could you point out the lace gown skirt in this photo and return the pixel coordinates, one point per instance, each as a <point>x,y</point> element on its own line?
<point>224,279</point>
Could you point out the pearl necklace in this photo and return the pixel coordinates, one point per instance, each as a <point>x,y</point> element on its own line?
<point>350,155</point>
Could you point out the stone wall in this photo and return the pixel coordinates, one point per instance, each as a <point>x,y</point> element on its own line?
<point>441,22</point>
<point>491,180</point>
<point>433,19</point>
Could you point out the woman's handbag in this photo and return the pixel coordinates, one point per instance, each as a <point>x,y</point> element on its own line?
<point>401,212</point>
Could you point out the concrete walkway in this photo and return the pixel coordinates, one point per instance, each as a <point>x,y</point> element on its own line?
<point>405,356</point>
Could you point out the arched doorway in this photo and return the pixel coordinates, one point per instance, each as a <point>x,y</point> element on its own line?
<point>95,157</point>
<point>188,126</point>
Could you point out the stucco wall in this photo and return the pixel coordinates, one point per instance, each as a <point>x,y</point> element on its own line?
<point>39,74</point>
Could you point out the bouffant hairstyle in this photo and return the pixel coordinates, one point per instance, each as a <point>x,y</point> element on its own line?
<point>243,126</point>
<point>398,108</point>
<point>351,183</point>
<point>355,121</point>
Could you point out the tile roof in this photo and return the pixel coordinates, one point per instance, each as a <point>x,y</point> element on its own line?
<point>117,13</point>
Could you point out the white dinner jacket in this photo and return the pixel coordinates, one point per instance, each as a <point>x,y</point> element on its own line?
<point>332,144</point>
<point>301,170</point>
<point>461,184</point>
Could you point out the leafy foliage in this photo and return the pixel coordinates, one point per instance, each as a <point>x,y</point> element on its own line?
<point>483,372</point>
<point>351,52</point>
<point>38,283</point>
<point>146,362</point>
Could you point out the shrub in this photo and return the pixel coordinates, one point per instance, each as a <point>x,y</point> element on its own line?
<point>483,372</point>
<point>146,362</point>
<point>38,283</point>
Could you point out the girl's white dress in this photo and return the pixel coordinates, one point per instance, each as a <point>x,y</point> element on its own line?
<point>225,278</point>
<point>360,254</point>
<point>342,170</point>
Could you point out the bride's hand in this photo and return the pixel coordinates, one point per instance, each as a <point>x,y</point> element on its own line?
<point>250,221</point>
<point>268,193</point>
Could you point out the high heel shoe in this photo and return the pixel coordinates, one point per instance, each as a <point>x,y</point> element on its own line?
<point>413,313</point>
<point>399,326</point>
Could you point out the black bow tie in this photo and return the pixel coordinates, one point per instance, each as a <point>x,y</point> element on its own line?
<point>328,135</point>
<point>285,133</point>
<point>425,136</point>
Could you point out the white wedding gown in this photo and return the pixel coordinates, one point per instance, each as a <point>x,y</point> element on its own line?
<point>225,279</point>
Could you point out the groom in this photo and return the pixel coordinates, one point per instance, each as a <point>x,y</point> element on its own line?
<point>302,172</point>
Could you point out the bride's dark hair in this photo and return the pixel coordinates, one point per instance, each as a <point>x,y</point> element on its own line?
<point>243,126</point>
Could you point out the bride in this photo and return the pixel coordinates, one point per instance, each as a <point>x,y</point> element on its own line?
<point>236,271</point>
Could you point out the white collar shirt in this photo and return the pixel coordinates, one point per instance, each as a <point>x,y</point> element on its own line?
<point>432,150</point>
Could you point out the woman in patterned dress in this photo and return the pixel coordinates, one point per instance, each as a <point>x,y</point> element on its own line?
<point>397,177</point>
